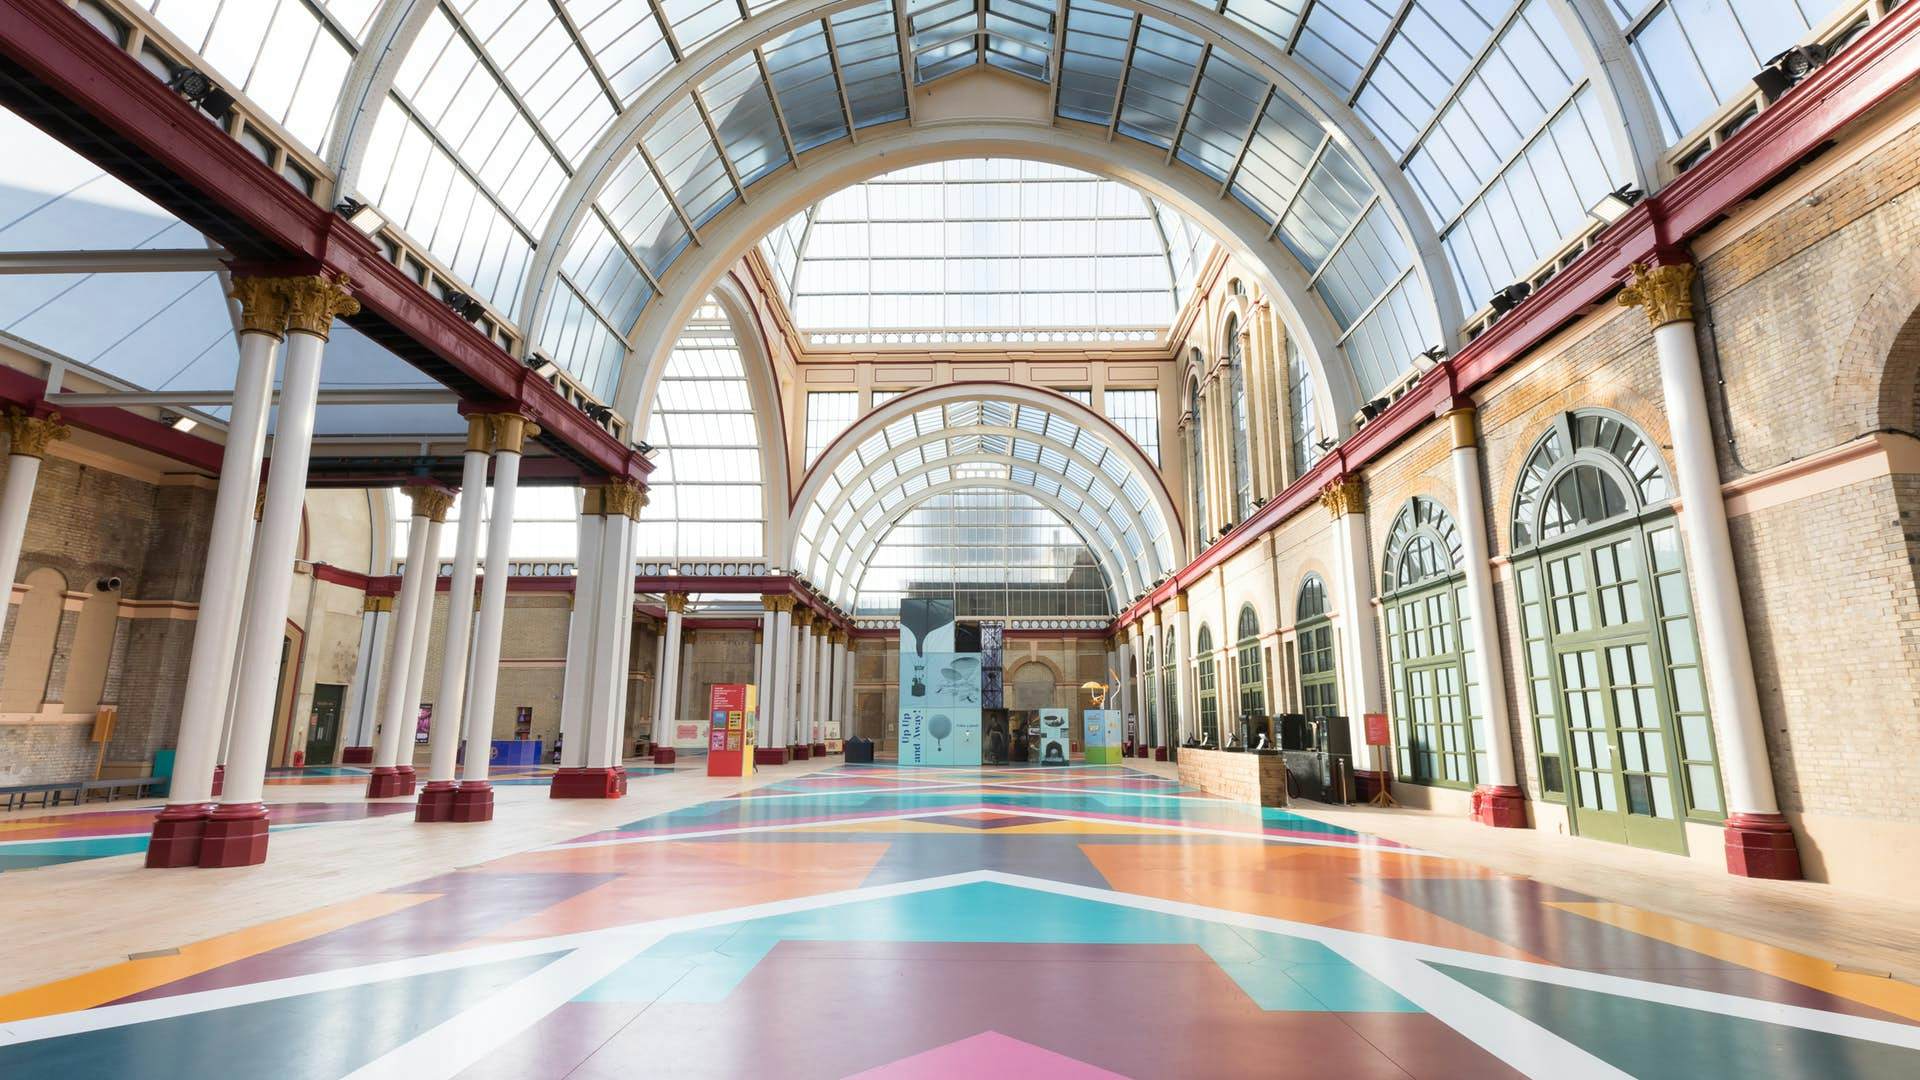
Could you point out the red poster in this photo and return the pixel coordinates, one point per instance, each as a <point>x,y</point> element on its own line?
<point>1377,729</point>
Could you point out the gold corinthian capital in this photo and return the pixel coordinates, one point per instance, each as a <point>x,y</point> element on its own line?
<point>1665,292</point>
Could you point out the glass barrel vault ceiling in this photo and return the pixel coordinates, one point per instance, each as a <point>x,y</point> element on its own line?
<point>1488,108</point>
<point>996,554</point>
<point>981,244</point>
<point>1076,472</point>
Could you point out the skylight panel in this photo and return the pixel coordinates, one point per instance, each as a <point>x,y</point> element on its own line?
<point>625,41</point>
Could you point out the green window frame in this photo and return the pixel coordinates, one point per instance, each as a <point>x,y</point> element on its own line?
<point>1253,672</point>
<point>1150,720</point>
<point>1313,631</point>
<point>1170,686</point>
<point>1209,689</point>
<point>1433,672</point>
<point>1613,670</point>
<point>1197,457</point>
<point>1239,444</point>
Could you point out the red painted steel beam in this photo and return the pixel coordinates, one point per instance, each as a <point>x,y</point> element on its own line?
<point>1802,124</point>
<point>66,77</point>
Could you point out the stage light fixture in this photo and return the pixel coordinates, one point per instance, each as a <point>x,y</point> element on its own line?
<point>1785,71</point>
<point>360,215</point>
<point>1508,298</point>
<point>1615,203</point>
<point>200,91</point>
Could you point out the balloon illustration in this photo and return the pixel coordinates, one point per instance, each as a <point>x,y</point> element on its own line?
<point>939,725</point>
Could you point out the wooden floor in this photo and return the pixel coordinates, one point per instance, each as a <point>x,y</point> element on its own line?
<point>89,914</point>
<point>1858,932</point>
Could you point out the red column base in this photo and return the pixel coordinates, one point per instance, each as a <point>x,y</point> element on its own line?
<point>356,755</point>
<point>1369,782</point>
<point>600,783</point>
<point>219,778</point>
<point>409,780</point>
<point>1762,846</point>
<point>385,783</point>
<point>819,749</point>
<point>177,833</point>
<point>1159,753</point>
<point>802,752</point>
<point>1502,806</point>
<point>473,801</point>
<point>664,755</point>
<point>236,836</point>
<point>436,802</point>
<point>769,755</point>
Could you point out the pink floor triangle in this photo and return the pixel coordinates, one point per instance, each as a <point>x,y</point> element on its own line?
<point>988,1054</point>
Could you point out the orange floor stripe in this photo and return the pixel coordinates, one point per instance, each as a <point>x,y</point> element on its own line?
<point>1891,995</point>
<point>134,976</point>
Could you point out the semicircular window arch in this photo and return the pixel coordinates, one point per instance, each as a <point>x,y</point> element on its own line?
<point>1590,469</point>
<point>1423,545</point>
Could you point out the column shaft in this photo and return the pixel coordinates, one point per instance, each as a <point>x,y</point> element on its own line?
<point>203,709</point>
<point>236,833</point>
<point>1498,800</point>
<point>473,800</point>
<point>15,500</point>
<point>394,714</point>
<point>575,685</point>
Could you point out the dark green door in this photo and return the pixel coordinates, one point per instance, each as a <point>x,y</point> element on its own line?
<point>323,728</point>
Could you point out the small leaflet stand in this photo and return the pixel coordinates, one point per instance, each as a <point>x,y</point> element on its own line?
<point>1377,736</point>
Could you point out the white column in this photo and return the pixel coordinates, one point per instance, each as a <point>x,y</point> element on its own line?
<point>779,697</point>
<point>203,709</point>
<point>237,829</point>
<point>1169,722</point>
<point>417,656</point>
<point>670,670</point>
<point>765,669</point>
<point>623,668</point>
<point>1501,802</point>
<point>759,650</point>
<point>608,664</point>
<point>364,691</point>
<point>30,436</point>
<point>1141,705</point>
<point>449,704</point>
<point>576,683</point>
<point>1759,841</point>
<point>842,662</point>
<point>662,734</point>
<point>803,668</point>
<point>823,679</point>
<point>473,801</point>
<point>395,717</point>
<point>1183,702</point>
<point>1358,660</point>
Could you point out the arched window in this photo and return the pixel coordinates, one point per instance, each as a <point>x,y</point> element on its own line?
<point>36,629</point>
<point>1150,704</point>
<point>1613,671</point>
<point>1433,673</point>
<point>1319,683</point>
<point>1170,685</point>
<point>1196,460</point>
<point>1242,452</point>
<point>1209,688</point>
<point>1253,674</point>
<point>1300,415</point>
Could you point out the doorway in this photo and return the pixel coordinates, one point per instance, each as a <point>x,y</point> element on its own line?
<point>323,727</point>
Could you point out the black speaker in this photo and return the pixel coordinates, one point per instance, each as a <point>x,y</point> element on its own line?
<point>1294,734</point>
<point>1337,736</point>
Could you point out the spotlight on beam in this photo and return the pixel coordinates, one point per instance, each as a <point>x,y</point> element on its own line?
<point>1785,71</point>
<point>360,215</point>
<point>537,363</point>
<point>463,305</point>
<point>200,91</point>
<point>1508,298</point>
<point>1615,203</point>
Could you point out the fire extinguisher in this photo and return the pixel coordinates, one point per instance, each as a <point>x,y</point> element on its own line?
<point>299,759</point>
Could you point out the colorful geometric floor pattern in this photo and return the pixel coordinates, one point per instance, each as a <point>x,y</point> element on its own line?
<point>893,923</point>
<point>32,840</point>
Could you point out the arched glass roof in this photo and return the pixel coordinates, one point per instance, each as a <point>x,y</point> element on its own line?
<point>704,496</point>
<point>1412,156</point>
<point>890,463</point>
<point>983,244</point>
<point>995,553</point>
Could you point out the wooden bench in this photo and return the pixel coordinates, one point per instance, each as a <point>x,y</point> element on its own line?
<point>17,796</point>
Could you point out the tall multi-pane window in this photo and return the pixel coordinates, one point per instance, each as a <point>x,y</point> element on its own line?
<point>1242,450</point>
<point>1077,393</point>
<point>1613,669</point>
<point>1170,685</point>
<point>1196,460</point>
<point>829,412</point>
<point>1253,676</point>
<point>1300,414</point>
<point>1137,412</point>
<point>1209,688</point>
<point>1313,630</point>
<point>704,497</point>
<point>994,553</point>
<point>1434,673</point>
<point>1150,726</point>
